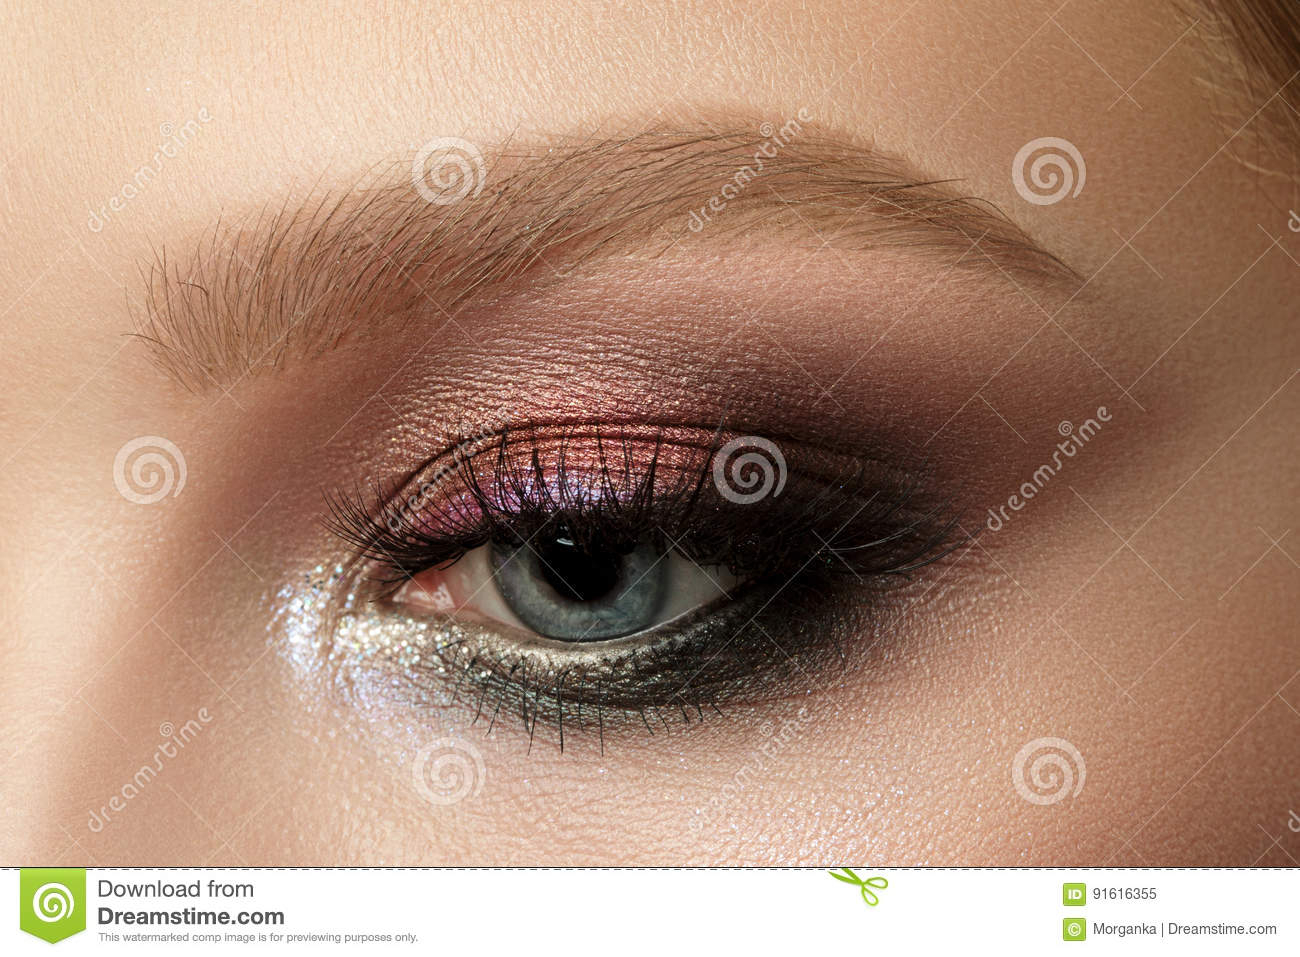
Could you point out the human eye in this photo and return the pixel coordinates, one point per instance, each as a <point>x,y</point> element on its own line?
<point>598,576</point>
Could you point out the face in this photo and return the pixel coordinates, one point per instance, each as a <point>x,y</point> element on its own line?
<point>706,435</point>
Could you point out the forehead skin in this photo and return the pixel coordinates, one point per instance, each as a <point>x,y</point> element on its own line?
<point>1170,662</point>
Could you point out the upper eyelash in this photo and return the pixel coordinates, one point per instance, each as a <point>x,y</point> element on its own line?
<point>861,527</point>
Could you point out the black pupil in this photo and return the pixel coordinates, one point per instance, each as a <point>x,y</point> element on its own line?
<point>577,573</point>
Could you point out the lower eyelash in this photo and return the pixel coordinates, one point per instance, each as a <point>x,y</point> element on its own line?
<point>654,683</point>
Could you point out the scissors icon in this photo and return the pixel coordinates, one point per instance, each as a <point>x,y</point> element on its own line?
<point>868,895</point>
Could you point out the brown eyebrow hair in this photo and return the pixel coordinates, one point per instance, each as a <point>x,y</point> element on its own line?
<point>294,281</point>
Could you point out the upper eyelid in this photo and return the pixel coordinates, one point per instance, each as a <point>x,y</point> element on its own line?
<point>406,537</point>
<point>680,449</point>
<point>297,279</point>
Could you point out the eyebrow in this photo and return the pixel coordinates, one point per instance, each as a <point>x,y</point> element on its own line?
<point>293,281</point>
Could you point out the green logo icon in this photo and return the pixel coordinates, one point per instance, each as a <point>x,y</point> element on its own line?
<point>1074,895</point>
<point>1074,928</point>
<point>52,902</point>
<point>869,896</point>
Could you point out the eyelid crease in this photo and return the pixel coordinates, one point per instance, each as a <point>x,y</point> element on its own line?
<point>296,280</point>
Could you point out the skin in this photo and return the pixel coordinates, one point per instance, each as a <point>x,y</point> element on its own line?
<point>1143,607</point>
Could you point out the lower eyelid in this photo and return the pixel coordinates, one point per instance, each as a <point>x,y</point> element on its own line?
<point>768,644</point>
<point>751,653</point>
